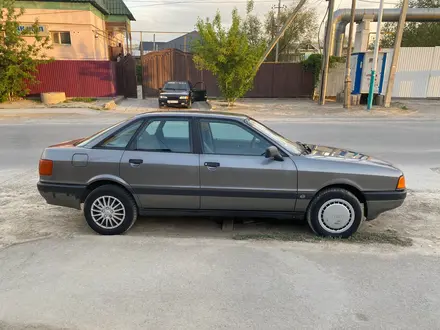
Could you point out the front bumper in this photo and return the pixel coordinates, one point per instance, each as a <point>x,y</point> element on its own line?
<point>180,103</point>
<point>382,201</point>
<point>67,195</point>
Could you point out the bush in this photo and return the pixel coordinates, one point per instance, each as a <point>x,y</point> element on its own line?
<point>139,74</point>
<point>314,64</point>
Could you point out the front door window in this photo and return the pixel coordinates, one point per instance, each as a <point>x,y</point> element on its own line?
<point>228,138</point>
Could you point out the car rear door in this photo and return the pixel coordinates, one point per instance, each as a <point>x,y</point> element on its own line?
<point>235,175</point>
<point>161,166</point>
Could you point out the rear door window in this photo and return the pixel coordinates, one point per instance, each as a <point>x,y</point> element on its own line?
<point>165,135</point>
<point>121,139</point>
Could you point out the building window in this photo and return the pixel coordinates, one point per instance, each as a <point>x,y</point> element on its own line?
<point>61,38</point>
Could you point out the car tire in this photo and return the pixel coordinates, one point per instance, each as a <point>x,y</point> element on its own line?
<point>335,212</point>
<point>110,210</point>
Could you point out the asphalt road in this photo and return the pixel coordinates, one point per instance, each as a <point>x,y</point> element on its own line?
<point>413,145</point>
<point>154,282</point>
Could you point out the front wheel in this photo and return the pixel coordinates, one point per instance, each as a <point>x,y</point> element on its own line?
<point>110,210</point>
<point>335,212</point>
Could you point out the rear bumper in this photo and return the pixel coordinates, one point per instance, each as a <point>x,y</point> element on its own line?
<point>66,195</point>
<point>380,202</point>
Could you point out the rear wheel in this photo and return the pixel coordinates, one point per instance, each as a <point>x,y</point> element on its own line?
<point>110,210</point>
<point>335,212</point>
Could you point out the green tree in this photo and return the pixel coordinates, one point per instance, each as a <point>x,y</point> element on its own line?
<point>231,54</point>
<point>253,26</point>
<point>19,58</point>
<point>415,34</point>
<point>314,63</point>
<point>301,32</point>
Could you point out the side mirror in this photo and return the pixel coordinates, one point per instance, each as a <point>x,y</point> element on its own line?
<point>274,153</point>
<point>160,90</point>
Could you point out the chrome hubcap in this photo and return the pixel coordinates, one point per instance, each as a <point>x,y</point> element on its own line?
<point>336,215</point>
<point>108,212</point>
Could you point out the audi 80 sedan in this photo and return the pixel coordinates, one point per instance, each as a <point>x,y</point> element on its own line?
<point>214,164</point>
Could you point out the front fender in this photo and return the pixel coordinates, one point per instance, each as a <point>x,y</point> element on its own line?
<point>339,181</point>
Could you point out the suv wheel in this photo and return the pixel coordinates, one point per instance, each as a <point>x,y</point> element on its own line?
<point>110,210</point>
<point>335,213</point>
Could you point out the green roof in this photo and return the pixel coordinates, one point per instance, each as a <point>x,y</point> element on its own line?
<point>118,7</point>
<point>107,7</point>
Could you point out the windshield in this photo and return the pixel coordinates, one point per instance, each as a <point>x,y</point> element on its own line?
<point>290,146</point>
<point>176,86</point>
<point>84,142</point>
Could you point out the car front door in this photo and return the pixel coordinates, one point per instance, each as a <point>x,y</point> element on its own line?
<point>199,94</point>
<point>235,175</point>
<point>161,167</point>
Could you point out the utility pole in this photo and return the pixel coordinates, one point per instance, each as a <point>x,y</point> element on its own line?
<point>347,90</point>
<point>142,65</point>
<point>280,34</point>
<point>326,55</point>
<point>277,51</point>
<point>396,53</point>
<point>375,56</point>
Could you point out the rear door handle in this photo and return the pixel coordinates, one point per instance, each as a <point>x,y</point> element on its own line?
<point>212,164</point>
<point>135,161</point>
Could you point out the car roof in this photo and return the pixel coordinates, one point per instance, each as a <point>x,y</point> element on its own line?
<point>199,114</point>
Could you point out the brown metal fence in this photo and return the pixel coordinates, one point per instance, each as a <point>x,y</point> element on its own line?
<point>273,80</point>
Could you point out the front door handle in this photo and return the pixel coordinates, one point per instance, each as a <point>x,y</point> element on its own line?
<point>135,162</point>
<point>212,164</point>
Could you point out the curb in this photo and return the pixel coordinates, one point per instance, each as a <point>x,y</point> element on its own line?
<point>118,99</point>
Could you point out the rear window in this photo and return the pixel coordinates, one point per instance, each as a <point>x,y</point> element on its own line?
<point>96,136</point>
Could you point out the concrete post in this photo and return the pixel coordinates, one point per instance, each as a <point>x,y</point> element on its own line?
<point>326,55</point>
<point>362,35</point>
<point>347,86</point>
<point>396,53</point>
<point>277,51</point>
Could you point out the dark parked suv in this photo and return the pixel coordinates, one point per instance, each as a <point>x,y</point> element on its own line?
<point>180,94</point>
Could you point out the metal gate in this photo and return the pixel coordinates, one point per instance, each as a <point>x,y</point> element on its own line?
<point>126,83</point>
<point>273,80</point>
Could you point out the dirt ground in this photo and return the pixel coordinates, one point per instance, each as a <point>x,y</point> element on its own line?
<point>262,108</point>
<point>26,216</point>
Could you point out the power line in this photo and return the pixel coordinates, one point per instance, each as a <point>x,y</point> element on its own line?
<point>377,2</point>
<point>154,3</point>
<point>319,30</point>
<point>193,2</point>
<point>339,5</point>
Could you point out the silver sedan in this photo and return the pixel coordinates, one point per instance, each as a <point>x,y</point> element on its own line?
<point>214,164</point>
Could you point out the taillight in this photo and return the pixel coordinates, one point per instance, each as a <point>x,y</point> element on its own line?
<point>46,167</point>
<point>401,184</point>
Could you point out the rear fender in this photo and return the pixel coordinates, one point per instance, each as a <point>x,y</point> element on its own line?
<point>108,178</point>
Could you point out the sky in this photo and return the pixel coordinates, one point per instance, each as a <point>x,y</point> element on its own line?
<point>181,15</point>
